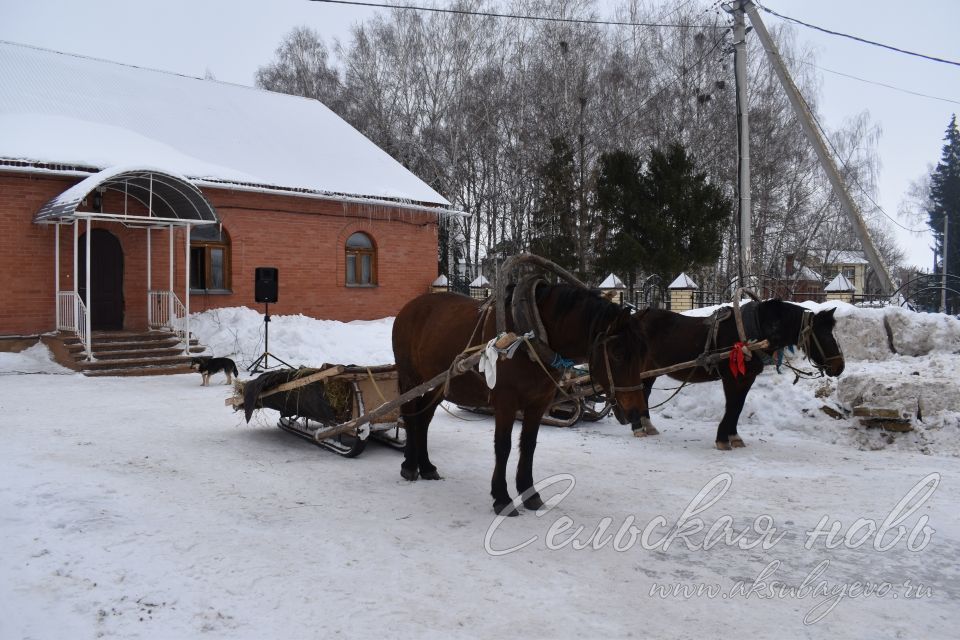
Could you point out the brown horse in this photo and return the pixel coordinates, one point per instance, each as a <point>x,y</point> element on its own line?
<point>671,338</point>
<point>430,331</point>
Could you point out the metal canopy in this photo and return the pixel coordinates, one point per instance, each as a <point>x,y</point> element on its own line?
<point>169,199</point>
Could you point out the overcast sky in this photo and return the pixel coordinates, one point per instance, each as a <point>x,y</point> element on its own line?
<point>231,38</point>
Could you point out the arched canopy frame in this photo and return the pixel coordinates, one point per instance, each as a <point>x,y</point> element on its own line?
<point>169,199</point>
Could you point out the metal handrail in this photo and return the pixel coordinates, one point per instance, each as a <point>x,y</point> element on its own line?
<point>165,310</point>
<point>72,316</point>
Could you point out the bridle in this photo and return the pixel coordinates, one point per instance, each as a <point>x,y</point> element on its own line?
<point>806,336</point>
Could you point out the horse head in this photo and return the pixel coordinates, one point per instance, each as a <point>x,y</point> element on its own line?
<point>616,363</point>
<point>784,324</point>
<point>821,345</point>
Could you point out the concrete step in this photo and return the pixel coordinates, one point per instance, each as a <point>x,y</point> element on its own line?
<point>122,363</point>
<point>128,353</point>
<point>147,352</point>
<point>158,370</point>
<point>113,344</point>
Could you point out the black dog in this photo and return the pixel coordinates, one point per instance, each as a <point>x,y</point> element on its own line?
<point>208,366</point>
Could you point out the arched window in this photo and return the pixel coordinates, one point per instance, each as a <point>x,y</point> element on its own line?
<point>209,258</point>
<point>361,260</point>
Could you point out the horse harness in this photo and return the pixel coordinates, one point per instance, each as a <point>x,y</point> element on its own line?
<point>805,337</point>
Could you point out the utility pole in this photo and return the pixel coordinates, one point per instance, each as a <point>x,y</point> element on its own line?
<point>943,266</point>
<point>820,146</point>
<point>743,139</point>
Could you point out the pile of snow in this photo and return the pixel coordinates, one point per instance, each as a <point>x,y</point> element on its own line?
<point>238,333</point>
<point>35,359</point>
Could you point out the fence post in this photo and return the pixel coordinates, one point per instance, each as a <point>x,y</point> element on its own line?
<point>840,289</point>
<point>612,289</point>
<point>440,285</point>
<point>681,293</point>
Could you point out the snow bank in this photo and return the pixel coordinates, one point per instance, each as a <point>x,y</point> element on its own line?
<point>35,359</point>
<point>238,333</point>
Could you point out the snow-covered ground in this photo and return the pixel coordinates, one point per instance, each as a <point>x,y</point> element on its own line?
<point>143,508</point>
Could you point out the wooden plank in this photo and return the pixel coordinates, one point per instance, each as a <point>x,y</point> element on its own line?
<point>293,384</point>
<point>304,381</point>
<point>458,367</point>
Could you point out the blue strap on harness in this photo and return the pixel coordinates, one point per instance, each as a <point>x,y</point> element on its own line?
<point>559,362</point>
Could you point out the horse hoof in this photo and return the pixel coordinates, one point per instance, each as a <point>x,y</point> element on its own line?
<point>723,446</point>
<point>505,509</point>
<point>431,474</point>
<point>737,442</point>
<point>533,503</point>
<point>409,474</point>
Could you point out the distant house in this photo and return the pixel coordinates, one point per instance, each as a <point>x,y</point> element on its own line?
<point>174,189</point>
<point>820,267</point>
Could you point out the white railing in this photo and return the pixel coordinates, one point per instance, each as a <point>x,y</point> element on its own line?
<point>72,316</point>
<point>164,310</point>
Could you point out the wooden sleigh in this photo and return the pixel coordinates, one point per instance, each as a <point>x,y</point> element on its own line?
<point>346,390</point>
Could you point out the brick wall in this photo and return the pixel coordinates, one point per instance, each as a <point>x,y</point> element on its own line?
<point>303,237</point>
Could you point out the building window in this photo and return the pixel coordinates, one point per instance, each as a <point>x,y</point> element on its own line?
<point>361,260</point>
<point>850,273</point>
<point>209,258</point>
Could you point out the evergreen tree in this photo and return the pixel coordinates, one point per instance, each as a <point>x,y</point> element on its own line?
<point>945,204</point>
<point>665,219</point>
<point>553,219</point>
<point>617,200</point>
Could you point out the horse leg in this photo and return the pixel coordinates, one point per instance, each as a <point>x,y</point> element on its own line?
<point>735,391</point>
<point>409,469</point>
<point>646,427</point>
<point>427,470</point>
<point>528,445</point>
<point>504,414</point>
<point>417,415</point>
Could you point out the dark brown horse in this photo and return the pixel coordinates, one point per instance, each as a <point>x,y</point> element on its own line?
<point>671,338</point>
<point>430,331</point>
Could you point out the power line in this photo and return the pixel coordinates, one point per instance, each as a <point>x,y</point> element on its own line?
<point>514,16</point>
<point>858,39</point>
<point>874,82</point>
<point>851,174</point>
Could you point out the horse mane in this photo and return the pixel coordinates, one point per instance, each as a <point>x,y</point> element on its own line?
<point>571,299</point>
<point>787,316</point>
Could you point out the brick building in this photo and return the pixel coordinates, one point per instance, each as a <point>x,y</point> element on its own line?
<point>174,189</point>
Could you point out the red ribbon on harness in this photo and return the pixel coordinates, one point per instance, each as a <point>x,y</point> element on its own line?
<point>738,365</point>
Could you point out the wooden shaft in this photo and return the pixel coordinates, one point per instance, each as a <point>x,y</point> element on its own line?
<point>717,357</point>
<point>458,367</point>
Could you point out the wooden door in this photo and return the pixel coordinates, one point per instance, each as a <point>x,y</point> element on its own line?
<point>106,279</point>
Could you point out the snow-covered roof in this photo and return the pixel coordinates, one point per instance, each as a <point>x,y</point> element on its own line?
<point>840,283</point>
<point>480,281</point>
<point>611,282</point>
<point>806,273</point>
<point>441,281</point>
<point>683,281</point>
<point>62,109</point>
<point>840,257</point>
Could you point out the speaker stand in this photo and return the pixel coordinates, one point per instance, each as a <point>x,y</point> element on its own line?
<point>263,362</point>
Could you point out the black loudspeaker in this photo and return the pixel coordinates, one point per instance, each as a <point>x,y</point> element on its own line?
<point>266,285</point>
